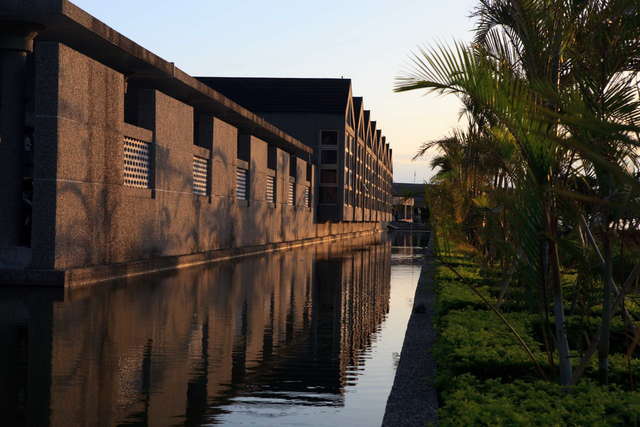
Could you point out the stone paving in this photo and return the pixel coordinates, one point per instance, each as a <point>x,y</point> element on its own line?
<point>413,399</point>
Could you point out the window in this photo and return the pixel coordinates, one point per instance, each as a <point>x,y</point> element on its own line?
<point>242,184</point>
<point>328,195</point>
<point>328,176</point>
<point>270,193</point>
<point>329,137</point>
<point>309,172</point>
<point>329,157</point>
<point>272,157</point>
<point>139,106</point>
<point>137,163</point>
<point>202,130</point>
<point>244,147</point>
<point>293,165</point>
<point>200,176</point>
<point>292,194</point>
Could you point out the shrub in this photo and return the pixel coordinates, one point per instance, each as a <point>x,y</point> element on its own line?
<point>476,341</point>
<point>623,373</point>
<point>476,402</point>
<point>453,295</point>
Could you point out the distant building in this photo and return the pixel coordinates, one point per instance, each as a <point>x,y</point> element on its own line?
<point>352,156</point>
<point>403,209</point>
<point>115,162</point>
<point>409,203</point>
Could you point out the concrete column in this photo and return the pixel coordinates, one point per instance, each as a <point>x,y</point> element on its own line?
<point>16,43</point>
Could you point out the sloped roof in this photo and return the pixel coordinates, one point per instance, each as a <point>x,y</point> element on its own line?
<point>401,189</point>
<point>357,107</point>
<point>284,95</point>
<point>367,124</point>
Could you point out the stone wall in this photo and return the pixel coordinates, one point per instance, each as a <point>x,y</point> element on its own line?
<point>85,216</point>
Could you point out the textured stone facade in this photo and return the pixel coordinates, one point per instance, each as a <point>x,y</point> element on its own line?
<point>94,92</point>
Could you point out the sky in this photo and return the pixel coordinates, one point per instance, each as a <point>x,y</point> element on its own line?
<point>366,41</point>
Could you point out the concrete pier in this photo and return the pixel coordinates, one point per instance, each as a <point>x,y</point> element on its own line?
<point>16,47</point>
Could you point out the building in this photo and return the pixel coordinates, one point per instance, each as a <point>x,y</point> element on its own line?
<point>114,162</point>
<point>403,208</point>
<point>409,203</point>
<point>352,156</point>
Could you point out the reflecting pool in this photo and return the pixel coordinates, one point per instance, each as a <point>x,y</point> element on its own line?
<point>305,337</point>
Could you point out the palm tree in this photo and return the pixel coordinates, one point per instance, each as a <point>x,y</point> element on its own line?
<point>549,80</point>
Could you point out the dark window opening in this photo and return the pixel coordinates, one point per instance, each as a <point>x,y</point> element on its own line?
<point>329,137</point>
<point>293,166</point>
<point>202,130</point>
<point>328,176</point>
<point>244,147</point>
<point>328,195</point>
<point>329,157</point>
<point>272,157</point>
<point>309,171</point>
<point>139,106</point>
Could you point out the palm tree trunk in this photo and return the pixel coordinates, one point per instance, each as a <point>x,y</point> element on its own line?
<point>605,325</point>
<point>558,303</point>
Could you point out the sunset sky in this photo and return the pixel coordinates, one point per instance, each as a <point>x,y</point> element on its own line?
<point>367,41</point>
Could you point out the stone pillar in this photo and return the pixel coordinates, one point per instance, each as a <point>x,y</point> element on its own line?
<point>16,44</point>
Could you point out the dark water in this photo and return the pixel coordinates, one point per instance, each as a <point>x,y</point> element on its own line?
<point>306,337</point>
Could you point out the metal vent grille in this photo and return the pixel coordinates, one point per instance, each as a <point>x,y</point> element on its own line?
<point>270,193</point>
<point>307,197</point>
<point>137,163</point>
<point>200,176</point>
<point>242,184</point>
<point>291,197</point>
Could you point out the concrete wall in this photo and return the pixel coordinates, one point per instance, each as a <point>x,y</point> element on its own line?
<point>85,215</point>
<point>78,160</point>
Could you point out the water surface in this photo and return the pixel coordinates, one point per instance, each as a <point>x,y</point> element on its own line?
<point>306,337</point>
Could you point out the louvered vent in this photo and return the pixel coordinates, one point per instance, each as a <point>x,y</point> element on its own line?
<point>270,193</point>
<point>137,163</point>
<point>307,197</point>
<point>242,184</point>
<point>200,176</point>
<point>291,198</point>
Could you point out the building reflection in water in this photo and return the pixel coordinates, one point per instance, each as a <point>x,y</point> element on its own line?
<point>285,328</point>
<point>409,246</point>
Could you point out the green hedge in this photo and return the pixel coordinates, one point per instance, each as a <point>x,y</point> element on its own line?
<point>454,295</point>
<point>493,403</point>
<point>486,378</point>
<point>478,342</point>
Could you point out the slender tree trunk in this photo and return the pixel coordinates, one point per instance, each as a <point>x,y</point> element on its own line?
<point>558,304</point>
<point>544,304</point>
<point>605,326</point>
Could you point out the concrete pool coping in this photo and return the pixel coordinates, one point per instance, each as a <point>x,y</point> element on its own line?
<point>92,275</point>
<point>413,400</point>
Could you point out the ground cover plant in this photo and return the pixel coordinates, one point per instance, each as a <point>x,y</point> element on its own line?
<point>485,377</point>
